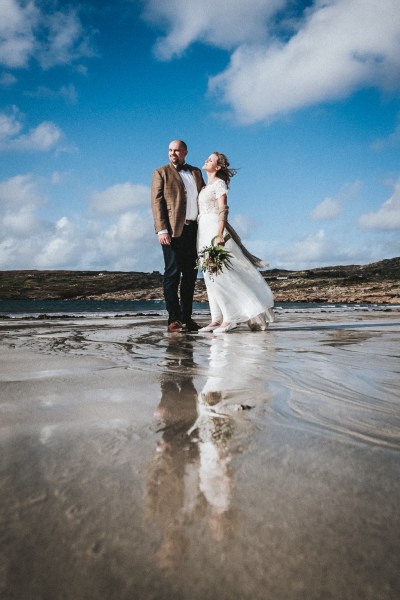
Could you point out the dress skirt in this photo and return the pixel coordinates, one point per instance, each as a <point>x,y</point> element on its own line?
<point>240,294</point>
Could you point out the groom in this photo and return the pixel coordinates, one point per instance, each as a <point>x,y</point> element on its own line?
<point>174,192</point>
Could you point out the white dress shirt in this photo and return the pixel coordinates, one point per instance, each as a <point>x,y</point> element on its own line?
<point>191,193</point>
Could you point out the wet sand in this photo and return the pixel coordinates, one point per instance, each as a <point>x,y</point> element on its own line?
<point>141,465</point>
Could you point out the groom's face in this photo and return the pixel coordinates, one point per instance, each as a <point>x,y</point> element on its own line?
<point>177,153</point>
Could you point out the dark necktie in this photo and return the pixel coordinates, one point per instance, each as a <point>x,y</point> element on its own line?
<point>183,167</point>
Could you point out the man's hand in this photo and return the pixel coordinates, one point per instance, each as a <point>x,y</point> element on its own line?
<point>165,239</point>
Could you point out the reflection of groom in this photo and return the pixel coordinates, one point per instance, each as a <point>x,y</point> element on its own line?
<point>175,188</point>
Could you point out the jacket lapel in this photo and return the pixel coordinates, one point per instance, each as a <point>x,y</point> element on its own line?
<point>176,175</point>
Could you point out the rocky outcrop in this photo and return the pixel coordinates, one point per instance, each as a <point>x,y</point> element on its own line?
<point>374,283</point>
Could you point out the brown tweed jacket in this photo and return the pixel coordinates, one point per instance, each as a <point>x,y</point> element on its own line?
<point>168,198</point>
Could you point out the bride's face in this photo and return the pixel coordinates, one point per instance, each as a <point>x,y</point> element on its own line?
<point>211,164</point>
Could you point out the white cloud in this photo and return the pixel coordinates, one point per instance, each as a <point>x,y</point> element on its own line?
<point>320,249</point>
<point>22,222</point>
<point>119,240</point>
<point>19,202</point>
<point>327,210</point>
<point>120,197</point>
<point>27,31</point>
<point>60,245</point>
<point>337,47</point>
<point>330,208</point>
<point>222,24</point>
<point>17,40</point>
<point>40,138</point>
<point>312,247</point>
<point>66,41</point>
<point>341,46</point>
<point>10,124</point>
<point>387,217</point>
<point>21,190</point>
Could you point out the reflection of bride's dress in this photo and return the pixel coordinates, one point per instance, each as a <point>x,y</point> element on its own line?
<point>240,294</point>
<point>215,428</point>
<point>214,431</point>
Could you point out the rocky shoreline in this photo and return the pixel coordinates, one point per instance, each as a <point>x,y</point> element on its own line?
<point>374,283</point>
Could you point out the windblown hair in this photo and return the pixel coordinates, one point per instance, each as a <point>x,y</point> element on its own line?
<point>225,172</point>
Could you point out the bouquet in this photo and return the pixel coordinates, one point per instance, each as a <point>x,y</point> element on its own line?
<point>214,258</point>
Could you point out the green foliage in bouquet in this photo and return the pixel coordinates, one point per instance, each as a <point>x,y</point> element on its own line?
<point>214,258</point>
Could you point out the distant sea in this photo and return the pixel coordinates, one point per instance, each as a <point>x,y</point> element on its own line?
<point>39,309</point>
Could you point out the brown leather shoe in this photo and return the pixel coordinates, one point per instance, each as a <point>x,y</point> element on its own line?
<point>176,327</point>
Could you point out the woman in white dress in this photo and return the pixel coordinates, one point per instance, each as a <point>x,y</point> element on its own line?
<point>240,294</point>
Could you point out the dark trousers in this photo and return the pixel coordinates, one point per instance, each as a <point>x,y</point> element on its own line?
<point>180,274</point>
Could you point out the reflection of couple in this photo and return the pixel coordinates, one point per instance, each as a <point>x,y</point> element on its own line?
<point>187,215</point>
<point>189,476</point>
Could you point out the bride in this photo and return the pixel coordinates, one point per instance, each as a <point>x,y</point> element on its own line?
<point>240,294</point>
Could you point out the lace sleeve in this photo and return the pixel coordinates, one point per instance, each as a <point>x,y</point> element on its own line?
<point>220,188</point>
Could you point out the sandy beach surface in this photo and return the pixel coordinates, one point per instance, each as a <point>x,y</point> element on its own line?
<point>251,465</point>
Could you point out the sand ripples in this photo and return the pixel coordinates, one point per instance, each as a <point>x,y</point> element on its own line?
<point>325,377</point>
<point>344,383</point>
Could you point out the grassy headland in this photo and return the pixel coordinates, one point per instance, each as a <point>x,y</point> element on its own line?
<point>373,283</point>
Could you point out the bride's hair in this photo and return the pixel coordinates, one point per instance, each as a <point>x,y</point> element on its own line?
<point>225,172</point>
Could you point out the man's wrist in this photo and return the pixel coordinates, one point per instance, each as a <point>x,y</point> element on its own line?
<point>162,231</point>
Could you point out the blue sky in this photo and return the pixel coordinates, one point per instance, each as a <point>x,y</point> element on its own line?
<point>304,98</point>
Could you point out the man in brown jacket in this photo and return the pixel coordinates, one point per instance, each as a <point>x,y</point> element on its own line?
<point>175,188</point>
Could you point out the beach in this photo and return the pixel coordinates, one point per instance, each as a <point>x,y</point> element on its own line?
<point>137,464</point>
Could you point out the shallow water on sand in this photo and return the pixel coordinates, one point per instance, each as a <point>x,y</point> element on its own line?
<point>137,464</point>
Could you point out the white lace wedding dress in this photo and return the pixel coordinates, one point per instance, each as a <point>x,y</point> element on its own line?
<point>238,295</point>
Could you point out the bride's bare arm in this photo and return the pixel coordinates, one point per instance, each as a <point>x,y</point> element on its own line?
<point>223,216</point>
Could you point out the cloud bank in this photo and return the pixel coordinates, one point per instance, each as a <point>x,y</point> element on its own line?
<point>111,234</point>
<point>115,232</point>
